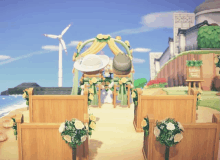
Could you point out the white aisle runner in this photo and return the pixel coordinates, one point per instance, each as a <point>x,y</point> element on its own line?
<point>115,137</point>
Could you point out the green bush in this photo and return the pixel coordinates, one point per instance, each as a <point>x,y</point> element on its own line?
<point>140,83</point>
<point>209,37</point>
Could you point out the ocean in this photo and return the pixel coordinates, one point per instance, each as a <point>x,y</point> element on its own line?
<point>10,103</point>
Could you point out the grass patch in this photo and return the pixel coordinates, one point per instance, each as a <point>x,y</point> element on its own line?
<point>209,98</point>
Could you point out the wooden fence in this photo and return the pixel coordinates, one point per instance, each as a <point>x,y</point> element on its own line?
<point>175,71</point>
<point>180,107</point>
<point>43,141</point>
<point>57,108</point>
<point>200,142</point>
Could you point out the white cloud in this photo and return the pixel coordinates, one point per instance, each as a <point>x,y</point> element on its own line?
<point>73,43</point>
<point>51,48</point>
<point>3,57</point>
<point>141,50</point>
<point>150,22</point>
<point>22,57</point>
<point>137,60</point>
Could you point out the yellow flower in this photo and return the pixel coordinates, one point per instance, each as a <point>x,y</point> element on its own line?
<point>74,54</point>
<point>94,80</point>
<point>73,70</point>
<point>92,125</point>
<point>67,138</point>
<point>127,43</point>
<point>91,90</point>
<point>178,137</point>
<point>124,80</point>
<point>99,36</point>
<point>133,95</point>
<point>90,82</point>
<point>92,117</point>
<point>24,95</point>
<point>120,82</point>
<point>143,123</point>
<point>200,91</point>
<point>91,97</point>
<point>105,36</point>
<point>118,37</point>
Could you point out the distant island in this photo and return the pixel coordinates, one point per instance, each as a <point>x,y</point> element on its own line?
<point>38,90</point>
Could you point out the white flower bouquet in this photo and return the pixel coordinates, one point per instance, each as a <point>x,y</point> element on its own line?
<point>92,124</point>
<point>168,132</point>
<point>74,132</point>
<point>145,126</point>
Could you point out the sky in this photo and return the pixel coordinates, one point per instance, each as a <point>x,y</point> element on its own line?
<point>28,56</point>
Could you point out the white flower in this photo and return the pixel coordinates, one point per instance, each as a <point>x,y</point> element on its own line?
<point>62,127</point>
<point>178,137</point>
<point>82,86</point>
<point>156,131</point>
<point>170,126</point>
<point>161,127</point>
<point>171,138</point>
<point>132,85</point>
<point>67,138</point>
<point>79,124</point>
<point>107,74</point>
<point>180,126</point>
<point>83,138</point>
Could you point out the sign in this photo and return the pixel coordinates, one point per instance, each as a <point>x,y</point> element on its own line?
<point>194,73</point>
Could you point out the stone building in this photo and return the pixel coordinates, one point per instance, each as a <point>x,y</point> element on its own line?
<point>185,31</point>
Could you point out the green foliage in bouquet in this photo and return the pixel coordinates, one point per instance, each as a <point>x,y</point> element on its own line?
<point>166,131</point>
<point>92,124</point>
<point>194,63</point>
<point>208,37</point>
<point>145,125</point>
<point>15,128</point>
<point>26,96</point>
<point>74,132</point>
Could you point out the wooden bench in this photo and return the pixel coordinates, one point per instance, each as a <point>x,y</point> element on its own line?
<point>180,107</point>
<point>200,142</point>
<point>46,113</point>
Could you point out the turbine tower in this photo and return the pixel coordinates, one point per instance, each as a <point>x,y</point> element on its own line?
<point>61,45</point>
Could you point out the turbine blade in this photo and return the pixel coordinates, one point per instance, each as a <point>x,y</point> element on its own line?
<point>64,31</point>
<point>51,36</point>
<point>63,44</point>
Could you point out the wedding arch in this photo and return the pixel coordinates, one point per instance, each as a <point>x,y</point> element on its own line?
<point>98,43</point>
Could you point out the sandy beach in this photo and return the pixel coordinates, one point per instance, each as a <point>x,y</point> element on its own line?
<point>114,136</point>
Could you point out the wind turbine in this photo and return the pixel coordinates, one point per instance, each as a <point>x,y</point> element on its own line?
<point>61,44</point>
